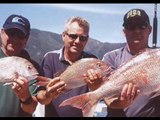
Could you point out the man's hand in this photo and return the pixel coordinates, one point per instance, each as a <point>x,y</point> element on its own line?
<point>55,87</point>
<point>128,94</point>
<point>21,88</point>
<point>93,79</point>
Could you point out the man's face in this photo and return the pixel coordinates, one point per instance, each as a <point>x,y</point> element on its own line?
<point>13,41</point>
<point>75,38</point>
<point>137,36</point>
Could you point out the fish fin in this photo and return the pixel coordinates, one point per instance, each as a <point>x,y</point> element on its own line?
<point>6,84</point>
<point>85,102</point>
<point>115,103</point>
<point>155,93</point>
<point>109,101</point>
<point>32,82</point>
<point>107,72</point>
<point>42,81</point>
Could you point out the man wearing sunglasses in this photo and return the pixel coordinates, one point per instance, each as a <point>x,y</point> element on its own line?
<point>75,37</point>
<point>16,100</point>
<point>137,29</point>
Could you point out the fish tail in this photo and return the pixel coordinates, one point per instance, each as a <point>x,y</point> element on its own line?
<point>86,102</point>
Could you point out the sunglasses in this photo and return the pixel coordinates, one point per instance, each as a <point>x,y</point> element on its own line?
<point>15,32</point>
<point>133,27</point>
<point>75,36</point>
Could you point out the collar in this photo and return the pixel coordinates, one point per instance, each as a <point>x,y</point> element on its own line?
<point>128,50</point>
<point>61,56</point>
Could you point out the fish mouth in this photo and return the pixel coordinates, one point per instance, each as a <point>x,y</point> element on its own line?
<point>32,77</point>
<point>29,78</point>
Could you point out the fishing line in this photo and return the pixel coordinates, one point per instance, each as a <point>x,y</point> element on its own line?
<point>155,20</point>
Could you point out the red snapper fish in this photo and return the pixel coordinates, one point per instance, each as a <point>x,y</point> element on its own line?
<point>12,67</point>
<point>73,75</point>
<point>142,70</point>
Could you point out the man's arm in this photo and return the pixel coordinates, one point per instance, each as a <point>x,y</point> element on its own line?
<point>29,105</point>
<point>21,89</point>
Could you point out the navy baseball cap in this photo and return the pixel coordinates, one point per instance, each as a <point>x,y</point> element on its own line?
<point>136,17</point>
<point>19,22</point>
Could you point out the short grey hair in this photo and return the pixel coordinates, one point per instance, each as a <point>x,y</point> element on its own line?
<point>81,21</point>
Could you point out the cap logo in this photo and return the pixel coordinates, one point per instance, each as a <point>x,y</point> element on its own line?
<point>18,20</point>
<point>133,13</point>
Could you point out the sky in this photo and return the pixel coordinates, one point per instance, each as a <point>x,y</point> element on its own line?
<point>105,19</point>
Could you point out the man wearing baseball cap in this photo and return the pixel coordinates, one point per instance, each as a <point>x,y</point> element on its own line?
<point>137,29</point>
<point>17,29</point>
<point>16,99</point>
<point>136,17</point>
<point>18,22</point>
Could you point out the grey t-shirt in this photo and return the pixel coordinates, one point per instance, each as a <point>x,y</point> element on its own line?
<point>117,57</point>
<point>143,106</point>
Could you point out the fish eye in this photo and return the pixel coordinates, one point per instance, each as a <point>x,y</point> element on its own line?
<point>98,65</point>
<point>29,67</point>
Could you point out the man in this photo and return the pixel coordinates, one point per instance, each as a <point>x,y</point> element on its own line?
<point>75,37</point>
<point>16,99</point>
<point>137,30</point>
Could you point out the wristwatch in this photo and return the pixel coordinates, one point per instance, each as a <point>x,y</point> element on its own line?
<point>27,101</point>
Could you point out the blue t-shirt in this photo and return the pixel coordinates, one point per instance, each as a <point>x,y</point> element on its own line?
<point>52,64</point>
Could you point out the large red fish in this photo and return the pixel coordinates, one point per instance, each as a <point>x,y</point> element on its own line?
<point>143,70</point>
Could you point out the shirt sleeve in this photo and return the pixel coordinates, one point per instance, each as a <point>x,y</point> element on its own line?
<point>46,66</point>
<point>109,58</point>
